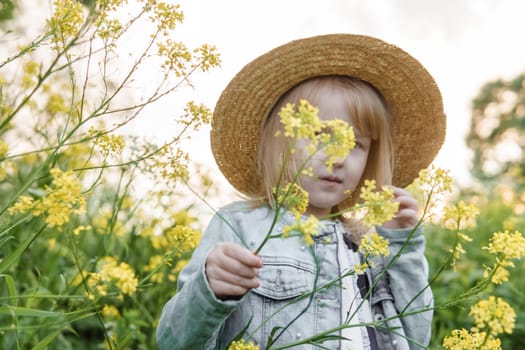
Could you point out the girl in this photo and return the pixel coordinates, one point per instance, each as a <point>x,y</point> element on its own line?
<point>290,291</point>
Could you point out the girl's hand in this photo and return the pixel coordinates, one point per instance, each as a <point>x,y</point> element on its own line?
<point>406,216</point>
<point>232,270</point>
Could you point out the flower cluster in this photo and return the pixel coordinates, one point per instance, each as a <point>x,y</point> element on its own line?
<point>109,145</point>
<point>107,26</point>
<point>110,273</point>
<point>67,18</point>
<point>434,180</point>
<point>300,122</point>
<point>171,164</point>
<point>492,316</point>
<point>176,56</point>
<point>378,206</point>
<point>335,137</point>
<point>293,197</point>
<point>429,188</point>
<point>506,246</point>
<point>307,228</point>
<point>372,244</point>
<point>495,314</point>
<point>242,345</point>
<point>165,16</point>
<point>459,217</point>
<point>182,239</point>
<point>195,115</point>
<point>463,339</point>
<point>63,199</point>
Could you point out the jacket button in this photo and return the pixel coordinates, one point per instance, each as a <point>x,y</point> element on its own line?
<point>378,317</point>
<point>298,336</point>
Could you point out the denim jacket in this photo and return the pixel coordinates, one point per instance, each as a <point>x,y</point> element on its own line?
<point>195,319</point>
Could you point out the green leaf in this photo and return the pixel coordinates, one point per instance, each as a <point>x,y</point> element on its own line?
<point>11,258</point>
<point>240,335</point>
<point>41,345</point>
<point>29,312</point>
<point>11,289</point>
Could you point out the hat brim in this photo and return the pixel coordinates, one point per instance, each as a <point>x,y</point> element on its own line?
<point>410,91</point>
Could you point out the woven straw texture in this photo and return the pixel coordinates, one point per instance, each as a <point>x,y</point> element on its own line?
<point>410,91</point>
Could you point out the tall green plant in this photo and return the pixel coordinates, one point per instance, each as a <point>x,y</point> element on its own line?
<point>86,260</point>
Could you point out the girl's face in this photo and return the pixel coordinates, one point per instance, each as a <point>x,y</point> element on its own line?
<point>327,189</point>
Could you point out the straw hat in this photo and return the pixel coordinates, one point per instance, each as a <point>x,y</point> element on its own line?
<point>410,91</point>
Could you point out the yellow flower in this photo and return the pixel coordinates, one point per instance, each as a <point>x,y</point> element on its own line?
<point>171,163</point>
<point>434,181</point>
<point>57,104</point>
<point>499,276</point>
<point>108,144</point>
<point>182,239</point>
<point>459,217</point>
<point>195,115</point>
<point>110,273</point>
<point>62,200</point>
<point>154,262</point>
<point>242,345</point>
<point>110,312</point>
<point>337,142</point>
<point>23,205</point>
<point>67,18</point>
<point>495,314</point>
<point>373,244</point>
<point>176,57</point>
<point>378,206</point>
<point>166,16</point>
<point>510,245</point>
<point>207,56</point>
<point>462,339</point>
<point>293,197</point>
<point>456,253</point>
<point>81,228</point>
<point>361,268</point>
<point>307,228</point>
<point>301,122</point>
<point>335,137</point>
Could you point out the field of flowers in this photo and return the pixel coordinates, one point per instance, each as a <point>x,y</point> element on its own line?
<point>95,224</point>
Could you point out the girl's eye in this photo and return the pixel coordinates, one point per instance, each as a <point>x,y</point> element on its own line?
<point>362,144</point>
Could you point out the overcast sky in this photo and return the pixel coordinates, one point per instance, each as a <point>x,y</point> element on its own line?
<point>463,44</point>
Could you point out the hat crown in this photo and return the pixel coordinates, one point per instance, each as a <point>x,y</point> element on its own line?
<point>409,90</point>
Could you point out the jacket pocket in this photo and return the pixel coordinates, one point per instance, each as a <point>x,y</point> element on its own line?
<point>284,278</point>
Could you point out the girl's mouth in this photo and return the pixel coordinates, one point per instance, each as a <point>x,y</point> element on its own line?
<point>332,179</point>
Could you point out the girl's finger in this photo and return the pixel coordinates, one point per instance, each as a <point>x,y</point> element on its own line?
<point>242,255</point>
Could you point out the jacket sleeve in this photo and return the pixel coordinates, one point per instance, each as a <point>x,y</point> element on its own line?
<point>193,317</point>
<point>408,276</point>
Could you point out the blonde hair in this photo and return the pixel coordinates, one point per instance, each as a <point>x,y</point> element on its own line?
<point>370,116</point>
